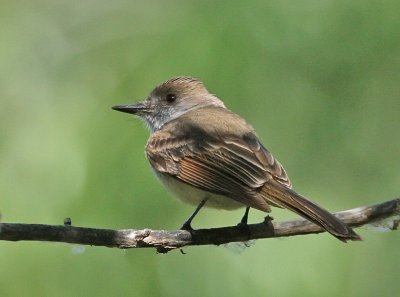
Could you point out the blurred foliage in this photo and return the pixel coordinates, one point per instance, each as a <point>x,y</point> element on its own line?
<point>319,80</point>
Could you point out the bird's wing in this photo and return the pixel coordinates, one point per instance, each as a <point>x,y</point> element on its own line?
<point>232,166</point>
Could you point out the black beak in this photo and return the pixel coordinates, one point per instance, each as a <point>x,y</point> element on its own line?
<point>132,108</point>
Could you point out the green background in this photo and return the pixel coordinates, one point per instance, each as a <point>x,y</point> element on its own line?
<point>319,80</point>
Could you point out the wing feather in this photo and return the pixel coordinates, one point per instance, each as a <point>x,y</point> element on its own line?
<point>234,167</point>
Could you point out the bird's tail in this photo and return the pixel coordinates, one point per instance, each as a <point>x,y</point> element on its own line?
<point>282,196</point>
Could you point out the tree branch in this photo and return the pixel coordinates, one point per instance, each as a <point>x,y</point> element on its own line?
<point>385,215</point>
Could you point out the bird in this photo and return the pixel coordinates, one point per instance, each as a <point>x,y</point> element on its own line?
<point>207,155</point>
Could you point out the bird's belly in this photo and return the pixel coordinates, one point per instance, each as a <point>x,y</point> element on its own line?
<point>192,195</point>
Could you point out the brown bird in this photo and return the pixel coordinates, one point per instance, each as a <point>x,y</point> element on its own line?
<point>207,155</point>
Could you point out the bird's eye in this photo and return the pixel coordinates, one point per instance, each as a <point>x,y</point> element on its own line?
<point>170,98</point>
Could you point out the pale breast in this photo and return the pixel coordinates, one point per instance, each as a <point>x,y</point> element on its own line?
<point>194,196</point>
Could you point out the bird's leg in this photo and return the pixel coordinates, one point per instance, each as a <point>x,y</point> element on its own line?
<point>243,221</point>
<point>187,225</point>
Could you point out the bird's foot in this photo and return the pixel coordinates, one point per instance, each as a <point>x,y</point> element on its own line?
<point>243,221</point>
<point>186,226</point>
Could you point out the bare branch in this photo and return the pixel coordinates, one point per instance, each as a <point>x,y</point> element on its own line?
<point>386,214</point>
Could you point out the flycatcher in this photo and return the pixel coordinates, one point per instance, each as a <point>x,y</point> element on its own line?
<point>207,155</point>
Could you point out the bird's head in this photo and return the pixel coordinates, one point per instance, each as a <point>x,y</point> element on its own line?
<point>171,99</point>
